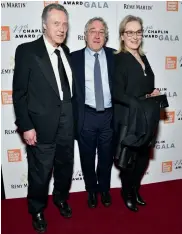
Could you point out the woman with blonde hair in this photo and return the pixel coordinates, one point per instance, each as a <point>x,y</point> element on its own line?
<point>133,81</point>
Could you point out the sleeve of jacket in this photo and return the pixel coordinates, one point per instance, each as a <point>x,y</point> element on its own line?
<point>20,89</point>
<point>120,81</point>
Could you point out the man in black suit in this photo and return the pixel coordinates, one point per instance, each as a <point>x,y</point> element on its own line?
<point>42,92</point>
<point>92,67</point>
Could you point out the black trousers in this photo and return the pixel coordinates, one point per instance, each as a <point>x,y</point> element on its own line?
<point>132,176</point>
<point>96,134</point>
<point>47,159</point>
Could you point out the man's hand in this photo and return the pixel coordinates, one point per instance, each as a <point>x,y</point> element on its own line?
<point>30,137</point>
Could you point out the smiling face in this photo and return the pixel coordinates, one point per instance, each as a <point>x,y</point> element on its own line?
<point>56,27</point>
<point>95,36</point>
<point>132,35</point>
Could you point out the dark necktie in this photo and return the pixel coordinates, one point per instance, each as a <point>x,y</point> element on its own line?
<point>99,96</point>
<point>63,77</point>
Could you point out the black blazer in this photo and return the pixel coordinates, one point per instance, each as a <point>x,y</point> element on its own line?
<point>36,97</point>
<point>129,82</point>
<point>78,65</point>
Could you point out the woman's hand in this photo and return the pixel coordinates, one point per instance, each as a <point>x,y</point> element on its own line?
<point>156,92</point>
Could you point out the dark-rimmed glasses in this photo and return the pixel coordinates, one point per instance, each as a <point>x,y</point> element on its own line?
<point>138,33</point>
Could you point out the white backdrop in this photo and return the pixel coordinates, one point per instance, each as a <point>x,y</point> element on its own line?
<point>21,22</point>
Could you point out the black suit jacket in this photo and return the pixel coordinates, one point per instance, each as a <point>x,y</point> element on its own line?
<point>36,97</point>
<point>78,65</point>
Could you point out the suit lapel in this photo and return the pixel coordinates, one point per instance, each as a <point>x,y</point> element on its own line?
<point>66,52</point>
<point>45,65</point>
<point>70,76</point>
<point>81,72</point>
<point>109,66</point>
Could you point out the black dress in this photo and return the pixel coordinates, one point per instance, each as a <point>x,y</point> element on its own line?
<point>131,81</point>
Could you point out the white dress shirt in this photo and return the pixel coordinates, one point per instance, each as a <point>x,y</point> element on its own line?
<point>54,61</point>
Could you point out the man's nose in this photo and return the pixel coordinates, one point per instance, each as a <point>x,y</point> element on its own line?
<point>135,36</point>
<point>97,35</point>
<point>61,28</point>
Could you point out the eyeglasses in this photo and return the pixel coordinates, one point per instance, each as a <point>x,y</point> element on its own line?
<point>138,33</point>
<point>94,32</point>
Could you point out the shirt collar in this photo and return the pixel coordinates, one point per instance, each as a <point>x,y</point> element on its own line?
<point>50,48</point>
<point>91,52</point>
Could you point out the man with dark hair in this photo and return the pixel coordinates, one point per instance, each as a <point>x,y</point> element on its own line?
<point>92,68</point>
<point>42,92</point>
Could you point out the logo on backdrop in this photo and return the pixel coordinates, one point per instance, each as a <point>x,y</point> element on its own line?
<point>77,175</point>
<point>169,117</point>
<point>177,164</point>
<point>49,2</point>
<point>9,70</point>
<point>24,31</point>
<point>87,4</point>
<point>10,132</point>
<point>143,7</point>
<point>167,166</point>
<point>160,34</point>
<point>169,94</point>
<point>172,5</point>
<point>13,4</point>
<point>6,97</point>
<point>5,33</point>
<point>23,182</point>
<point>81,38</point>
<point>161,145</point>
<point>179,114</point>
<point>14,155</point>
<point>171,63</point>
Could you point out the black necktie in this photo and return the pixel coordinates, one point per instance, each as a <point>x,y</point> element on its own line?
<point>63,77</point>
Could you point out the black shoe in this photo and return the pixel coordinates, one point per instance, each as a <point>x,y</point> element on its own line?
<point>106,199</point>
<point>92,200</point>
<point>64,208</point>
<point>129,201</point>
<point>39,223</point>
<point>138,198</point>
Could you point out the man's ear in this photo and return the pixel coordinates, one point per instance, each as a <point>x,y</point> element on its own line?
<point>44,26</point>
<point>85,37</point>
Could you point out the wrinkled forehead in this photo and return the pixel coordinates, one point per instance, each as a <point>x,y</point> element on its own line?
<point>97,24</point>
<point>57,15</point>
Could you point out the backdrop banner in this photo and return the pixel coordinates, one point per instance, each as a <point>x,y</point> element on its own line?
<point>21,22</point>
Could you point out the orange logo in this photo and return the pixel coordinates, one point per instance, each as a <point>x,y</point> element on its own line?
<point>5,33</point>
<point>171,62</point>
<point>14,155</point>
<point>167,166</point>
<point>172,5</point>
<point>170,117</point>
<point>6,97</point>
<point>49,2</point>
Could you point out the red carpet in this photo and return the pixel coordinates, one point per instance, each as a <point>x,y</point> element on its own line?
<point>162,215</point>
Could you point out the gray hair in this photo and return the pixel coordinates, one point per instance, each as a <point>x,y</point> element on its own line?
<point>122,26</point>
<point>99,19</point>
<point>49,8</point>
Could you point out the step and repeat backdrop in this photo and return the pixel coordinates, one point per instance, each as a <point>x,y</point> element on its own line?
<point>21,22</point>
